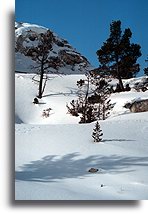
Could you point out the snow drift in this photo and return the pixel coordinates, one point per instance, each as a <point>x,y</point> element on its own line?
<point>54,154</point>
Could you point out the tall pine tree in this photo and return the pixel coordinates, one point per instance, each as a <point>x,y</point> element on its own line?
<point>118,56</point>
<point>146,69</point>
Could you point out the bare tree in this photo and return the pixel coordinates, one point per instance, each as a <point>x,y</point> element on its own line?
<point>41,45</point>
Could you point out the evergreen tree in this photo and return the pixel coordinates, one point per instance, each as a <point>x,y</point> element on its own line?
<point>146,69</point>
<point>103,91</point>
<point>85,108</point>
<point>81,84</point>
<point>118,56</point>
<point>94,107</point>
<point>73,108</point>
<point>81,106</point>
<point>88,115</point>
<point>97,133</point>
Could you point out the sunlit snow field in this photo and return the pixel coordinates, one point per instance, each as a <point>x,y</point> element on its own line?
<point>53,155</point>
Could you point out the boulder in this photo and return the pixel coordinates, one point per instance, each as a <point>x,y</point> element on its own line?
<point>93,170</point>
<point>138,106</point>
<point>70,58</point>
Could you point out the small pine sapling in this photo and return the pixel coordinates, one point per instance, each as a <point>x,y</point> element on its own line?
<point>97,133</point>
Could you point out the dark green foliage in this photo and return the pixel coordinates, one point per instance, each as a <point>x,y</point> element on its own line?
<point>97,133</point>
<point>80,83</point>
<point>96,106</point>
<point>102,92</point>
<point>87,114</point>
<point>146,71</point>
<point>85,108</point>
<point>81,105</point>
<point>93,101</point>
<point>118,56</point>
<point>73,108</point>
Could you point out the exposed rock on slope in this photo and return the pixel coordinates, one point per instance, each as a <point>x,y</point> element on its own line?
<point>138,106</point>
<point>63,57</point>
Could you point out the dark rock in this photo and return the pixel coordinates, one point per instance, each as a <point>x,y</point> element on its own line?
<point>70,58</point>
<point>127,87</point>
<point>59,43</point>
<point>137,106</point>
<point>93,170</point>
<point>60,56</point>
<point>36,101</point>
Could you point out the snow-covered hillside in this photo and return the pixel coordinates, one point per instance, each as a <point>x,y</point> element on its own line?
<point>53,154</point>
<point>26,35</point>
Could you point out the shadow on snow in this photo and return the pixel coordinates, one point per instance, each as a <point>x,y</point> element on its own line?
<point>116,140</point>
<point>51,168</point>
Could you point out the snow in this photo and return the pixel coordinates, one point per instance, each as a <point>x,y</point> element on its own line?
<point>22,28</point>
<point>53,155</point>
<point>26,64</point>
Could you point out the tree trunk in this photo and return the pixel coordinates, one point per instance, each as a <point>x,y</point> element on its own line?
<point>120,83</point>
<point>44,84</point>
<point>41,80</point>
<point>86,100</point>
<point>103,110</point>
<point>118,75</point>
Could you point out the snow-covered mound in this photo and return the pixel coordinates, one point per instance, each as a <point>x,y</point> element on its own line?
<point>54,154</point>
<point>26,35</point>
<point>59,91</point>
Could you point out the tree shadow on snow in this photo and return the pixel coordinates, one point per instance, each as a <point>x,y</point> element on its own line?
<point>18,120</point>
<point>117,140</point>
<point>58,94</point>
<point>53,168</point>
<point>72,91</point>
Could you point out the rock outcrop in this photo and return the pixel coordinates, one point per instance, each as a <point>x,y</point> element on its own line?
<point>63,57</point>
<point>137,106</point>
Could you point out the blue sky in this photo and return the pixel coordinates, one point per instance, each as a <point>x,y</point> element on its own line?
<point>85,23</point>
